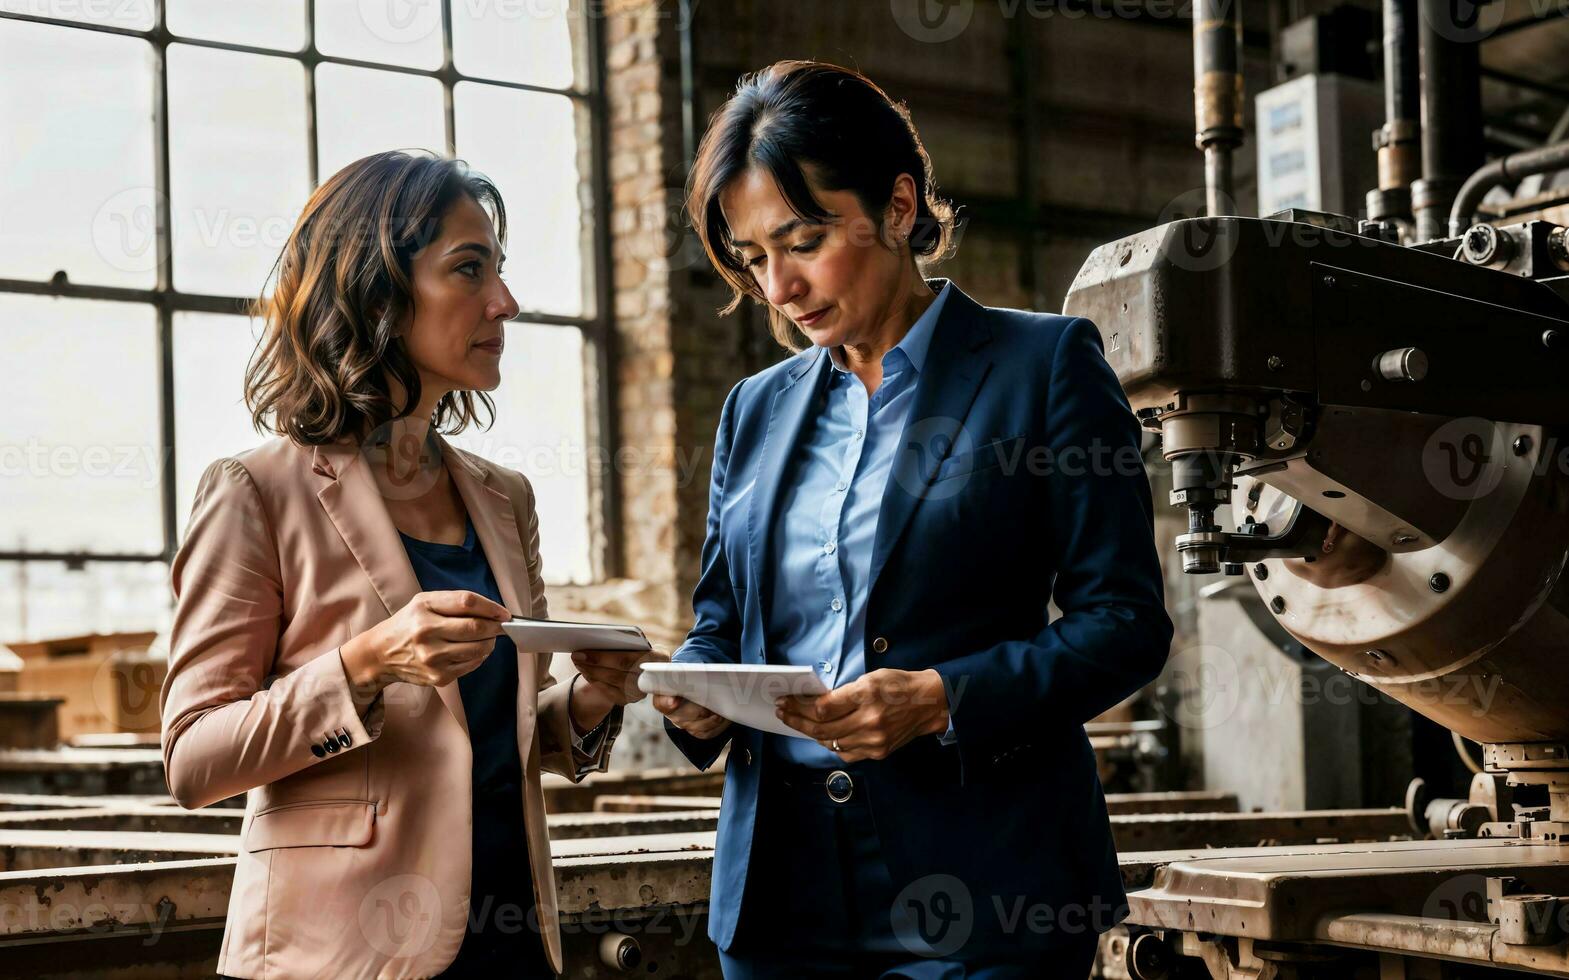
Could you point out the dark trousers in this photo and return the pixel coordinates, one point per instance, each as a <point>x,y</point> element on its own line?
<point>820,900</point>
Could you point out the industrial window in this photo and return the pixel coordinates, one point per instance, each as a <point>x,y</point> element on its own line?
<point>156,158</point>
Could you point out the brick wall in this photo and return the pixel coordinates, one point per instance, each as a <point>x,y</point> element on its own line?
<point>1113,105</point>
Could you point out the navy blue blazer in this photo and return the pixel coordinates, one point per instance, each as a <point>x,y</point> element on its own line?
<point>1018,480</point>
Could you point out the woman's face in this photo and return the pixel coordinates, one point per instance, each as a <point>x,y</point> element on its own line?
<point>455,333</point>
<point>839,282</point>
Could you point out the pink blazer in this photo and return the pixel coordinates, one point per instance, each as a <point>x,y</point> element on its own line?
<point>357,831</point>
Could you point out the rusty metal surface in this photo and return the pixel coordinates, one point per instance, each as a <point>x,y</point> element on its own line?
<point>562,796</point>
<point>1281,894</point>
<point>568,826</point>
<point>1151,832</point>
<point>40,850</point>
<point>621,803</point>
<point>82,772</point>
<point>138,817</point>
<point>1187,801</point>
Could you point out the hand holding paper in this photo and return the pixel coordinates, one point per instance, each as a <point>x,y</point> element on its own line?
<point>742,693</point>
<point>873,715</point>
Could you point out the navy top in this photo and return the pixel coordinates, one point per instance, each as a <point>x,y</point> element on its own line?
<point>503,929</point>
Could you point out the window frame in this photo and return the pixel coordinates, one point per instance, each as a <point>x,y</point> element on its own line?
<point>597,329</point>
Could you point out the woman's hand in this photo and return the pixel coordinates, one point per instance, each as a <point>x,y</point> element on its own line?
<point>609,679</point>
<point>433,640</point>
<point>694,719</point>
<point>873,715</point>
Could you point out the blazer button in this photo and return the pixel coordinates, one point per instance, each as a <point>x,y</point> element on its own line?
<point>318,752</point>
<point>880,645</point>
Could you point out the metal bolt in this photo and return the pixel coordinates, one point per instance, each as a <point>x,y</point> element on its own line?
<point>1439,582</point>
<point>1558,246</point>
<point>1367,385</point>
<point>1550,339</point>
<point>1261,571</point>
<point>1521,445</point>
<point>1277,605</point>
<point>1329,281</point>
<point>1275,363</point>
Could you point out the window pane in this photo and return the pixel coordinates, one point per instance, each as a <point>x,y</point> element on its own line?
<point>394,32</point>
<point>46,600</point>
<point>210,417</point>
<point>239,165</point>
<point>528,41</point>
<point>540,432</point>
<point>79,468</point>
<point>76,108</point>
<point>360,111</point>
<point>136,15</point>
<point>527,143</point>
<point>259,23</point>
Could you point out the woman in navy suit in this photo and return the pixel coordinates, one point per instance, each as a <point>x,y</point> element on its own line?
<point>895,505</point>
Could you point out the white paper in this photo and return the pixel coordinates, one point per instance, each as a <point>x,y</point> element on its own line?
<point>744,693</point>
<point>555,636</point>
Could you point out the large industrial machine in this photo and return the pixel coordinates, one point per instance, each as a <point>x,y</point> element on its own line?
<point>1367,420</point>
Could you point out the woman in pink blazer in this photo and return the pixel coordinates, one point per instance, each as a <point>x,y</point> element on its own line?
<point>337,653</point>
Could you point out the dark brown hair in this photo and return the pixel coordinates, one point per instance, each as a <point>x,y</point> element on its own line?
<point>343,282</point>
<point>795,115</point>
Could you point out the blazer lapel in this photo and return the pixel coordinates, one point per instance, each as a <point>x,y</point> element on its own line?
<point>956,364</point>
<point>354,502</point>
<point>787,417</point>
<point>495,524</point>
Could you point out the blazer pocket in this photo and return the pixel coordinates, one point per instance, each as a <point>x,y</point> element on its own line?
<point>987,455</point>
<point>334,823</point>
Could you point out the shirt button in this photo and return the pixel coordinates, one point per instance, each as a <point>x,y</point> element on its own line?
<point>836,605</point>
<point>858,433</point>
<point>830,547</point>
<point>840,485</point>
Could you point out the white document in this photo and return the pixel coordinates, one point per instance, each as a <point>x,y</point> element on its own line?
<point>555,636</point>
<point>744,693</point>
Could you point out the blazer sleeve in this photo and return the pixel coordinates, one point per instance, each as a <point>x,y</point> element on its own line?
<point>1114,634</point>
<point>559,749</point>
<point>715,636</point>
<point>229,722</point>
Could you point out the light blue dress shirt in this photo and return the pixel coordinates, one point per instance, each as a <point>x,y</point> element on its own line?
<point>827,523</point>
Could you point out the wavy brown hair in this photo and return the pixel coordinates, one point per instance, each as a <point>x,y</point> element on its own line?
<point>342,284</point>
<point>795,116</point>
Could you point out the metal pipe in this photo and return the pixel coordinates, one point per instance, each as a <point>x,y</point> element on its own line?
<point>1397,142</point>
<point>1451,89</point>
<point>1217,95</point>
<point>1504,170</point>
